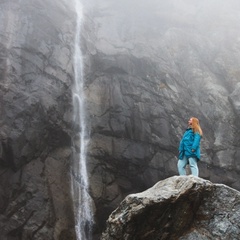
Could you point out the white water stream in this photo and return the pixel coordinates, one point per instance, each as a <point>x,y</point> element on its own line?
<point>80,185</point>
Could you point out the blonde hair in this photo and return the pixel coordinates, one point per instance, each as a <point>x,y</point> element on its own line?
<point>196,126</point>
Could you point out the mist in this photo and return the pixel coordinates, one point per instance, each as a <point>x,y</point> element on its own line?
<point>148,66</point>
<point>152,65</point>
<point>156,17</point>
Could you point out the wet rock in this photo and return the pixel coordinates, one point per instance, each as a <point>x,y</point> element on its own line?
<point>35,119</point>
<point>147,70</point>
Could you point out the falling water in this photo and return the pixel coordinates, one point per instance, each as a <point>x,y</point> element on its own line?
<point>80,186</point>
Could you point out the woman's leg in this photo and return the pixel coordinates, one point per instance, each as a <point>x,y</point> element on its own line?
<point>193,166</point>
<point>181,166</point>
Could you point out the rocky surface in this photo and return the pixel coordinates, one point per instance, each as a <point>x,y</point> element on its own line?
<point>148,68</point>
<point>179,207</point>
<point>35,119</point>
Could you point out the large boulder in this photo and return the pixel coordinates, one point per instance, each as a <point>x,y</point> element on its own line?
<point>179,207</point>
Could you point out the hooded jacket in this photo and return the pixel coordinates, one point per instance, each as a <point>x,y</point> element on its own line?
<point>190,145</point>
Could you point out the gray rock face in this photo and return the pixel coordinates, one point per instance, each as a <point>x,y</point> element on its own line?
<point>149,67</point>
<point>35,119</point>
<point>179,207</point>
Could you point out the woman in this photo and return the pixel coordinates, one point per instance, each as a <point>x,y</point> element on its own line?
<point>189,147</point>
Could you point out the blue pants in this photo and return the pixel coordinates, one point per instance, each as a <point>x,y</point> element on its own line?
<point>192,163</point>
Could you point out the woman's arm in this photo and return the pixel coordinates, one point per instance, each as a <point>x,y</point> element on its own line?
<point>180,149</point>
<point>196,141</point>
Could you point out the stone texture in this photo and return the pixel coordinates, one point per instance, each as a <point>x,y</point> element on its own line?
<point>35,119</point>
<point>149,66</point>
<point>179,207</point>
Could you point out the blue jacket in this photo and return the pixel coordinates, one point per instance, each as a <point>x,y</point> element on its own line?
<point>190,144</point>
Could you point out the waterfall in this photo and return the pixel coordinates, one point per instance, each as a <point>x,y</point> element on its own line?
<point>80,186</point>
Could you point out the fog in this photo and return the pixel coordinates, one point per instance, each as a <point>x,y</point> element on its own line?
<point>148,67</point>
<point>169,29</point>
<point>156,63</point>
<point>218,19</point>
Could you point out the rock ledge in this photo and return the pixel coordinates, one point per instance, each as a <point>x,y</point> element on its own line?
<point>180,207</point>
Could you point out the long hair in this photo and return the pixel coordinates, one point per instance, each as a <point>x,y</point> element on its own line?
<point>196,126</point>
